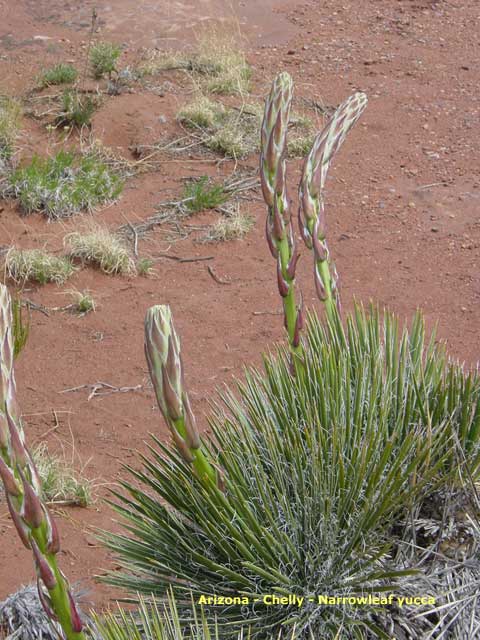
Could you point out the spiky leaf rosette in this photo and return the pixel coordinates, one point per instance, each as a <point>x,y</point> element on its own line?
<point>311,205</point>
<point>320,469</point>
<point>279,231</point>
<point>33,521</point>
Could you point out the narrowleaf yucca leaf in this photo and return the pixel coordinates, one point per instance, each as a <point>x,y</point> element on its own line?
<point>155,621</point>
<point>320,470</point>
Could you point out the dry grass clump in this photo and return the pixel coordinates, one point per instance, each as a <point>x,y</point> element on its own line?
<point>98,246</point>
<point>202,113</point>
<point>10,115</point>
<point>36,265</point>
<point>60,481</point>
<point>234,131</point>
<point>231,227</point>
<point>231,131</point>
<point>217,62</point>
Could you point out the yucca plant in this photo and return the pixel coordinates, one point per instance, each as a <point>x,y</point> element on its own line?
<point>23,491</point>
<point>318,470</point>
<point>325,473</point>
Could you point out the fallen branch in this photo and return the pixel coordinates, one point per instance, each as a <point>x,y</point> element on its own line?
<point>216,277</point>
<point>96,389</point>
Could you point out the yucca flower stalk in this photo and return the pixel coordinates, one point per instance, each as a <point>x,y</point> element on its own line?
<point>35,525</point>
<point>311,211</point>
<point>162,351</point>
<point>279,231</point>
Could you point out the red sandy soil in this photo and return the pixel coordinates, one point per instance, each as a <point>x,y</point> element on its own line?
<point>403,207</point>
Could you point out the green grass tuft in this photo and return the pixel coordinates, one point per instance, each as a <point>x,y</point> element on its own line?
<point>64,184</point>
<point>61,73</point>
<point>35,265</point>
<point>77,109</point>
<point>103,58</point>
<point>99,247</point>
<point>200,196</point>
<point>10,116</point>
<point>145,267</point>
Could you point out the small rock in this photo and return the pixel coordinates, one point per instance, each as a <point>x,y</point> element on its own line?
<point>435,229</point>
<point>291,52</point>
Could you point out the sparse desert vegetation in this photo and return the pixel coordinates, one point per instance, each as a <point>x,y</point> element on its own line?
<point>342,454</point>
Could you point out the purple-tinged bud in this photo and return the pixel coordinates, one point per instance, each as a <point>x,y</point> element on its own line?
<point>278,228</point>
<point>18,448</point>
<point>18,522</point>
<point>11,485</point>
<point>182,446</point>
<point>283,286</point>
<point>271,156</point>
<point>296,335</point>
<point>192,439</point>
<point>267,189</point>
<point>44,570</point>
<point>3,431</point>
<point>322,294</point>
<point>304,231</point>
<point>46,602</point>
<point>268,235</point>
<point>319,248</point>
<point>53,537</point>
<point>292,265</point>
<point>76,621</point>
<point>32,509</point>
<point>172,401</point>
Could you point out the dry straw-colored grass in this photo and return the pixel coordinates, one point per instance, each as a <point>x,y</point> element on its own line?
<point>36,265</point>
<point>100,247</point>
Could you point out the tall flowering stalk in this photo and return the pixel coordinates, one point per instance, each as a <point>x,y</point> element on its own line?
<point>279,231</point>
<point>311,206</point>
<point>162,351</point>
<point>35,525</point>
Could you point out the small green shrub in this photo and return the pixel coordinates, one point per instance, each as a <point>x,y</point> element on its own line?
<point>64,184</point>
<point>145,267</point>
<point>198,195</point>
<point>202,113</point>
<point>35,265</point>
<point>103,58</point>
<point>10,115</point>
<point>77,109</point>
<point>83,301</point>
<point>99,247</point>
<point>61,73</point>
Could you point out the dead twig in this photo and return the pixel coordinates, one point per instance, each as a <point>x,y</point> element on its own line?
<point>97,387</point>
<point>216,277</point>
<point>180,259</point>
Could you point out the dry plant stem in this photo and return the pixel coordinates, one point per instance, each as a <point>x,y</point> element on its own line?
<point>162,351</point>
<point>34,524</point>
<point>279,230</point>
<point>311,210</point>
